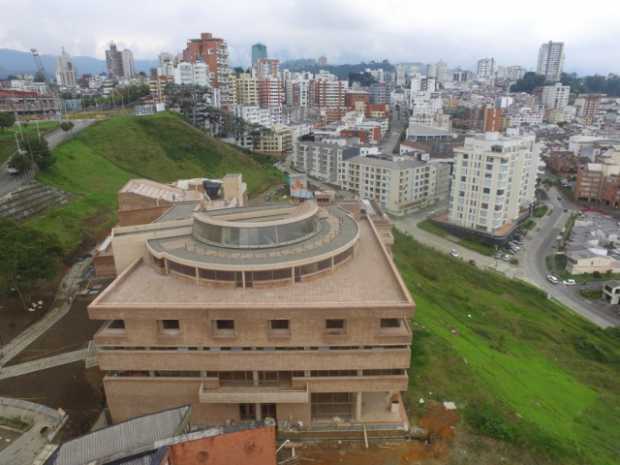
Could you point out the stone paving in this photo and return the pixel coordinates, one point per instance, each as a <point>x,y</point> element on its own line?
<point>43,363</point>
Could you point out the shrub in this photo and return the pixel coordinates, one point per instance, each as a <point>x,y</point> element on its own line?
<point>66,126</point>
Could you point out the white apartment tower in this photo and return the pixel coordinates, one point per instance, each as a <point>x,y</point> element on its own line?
<point>129,68</point>
<point>555,97</point>
<point>494,181</point>
<point>65,71</point>
<point>551,60</point>
<point>485,69</point>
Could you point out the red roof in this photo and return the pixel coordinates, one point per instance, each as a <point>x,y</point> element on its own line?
<point>17,93</point>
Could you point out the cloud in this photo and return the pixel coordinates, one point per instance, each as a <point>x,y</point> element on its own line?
<point>343,30</point>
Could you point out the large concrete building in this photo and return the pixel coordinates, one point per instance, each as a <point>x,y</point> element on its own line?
<point>485,69</point>
<point>600,182</point>
<point>65,71</point>
<point>259,51</point>
<point>129,67</point>
<point>551,61</point>
<point>399,184</point>
<point>297,313</point>
<point>322,161</point>
<point>493,183</point>
<point>114,61</point>
<point>555,97</point>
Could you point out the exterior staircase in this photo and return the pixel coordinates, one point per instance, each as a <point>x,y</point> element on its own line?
<point>30,199</point>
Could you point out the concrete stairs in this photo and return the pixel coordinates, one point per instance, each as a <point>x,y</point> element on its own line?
<point>30,199</point>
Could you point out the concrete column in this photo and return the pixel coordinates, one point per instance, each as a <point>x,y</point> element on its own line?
<point>259,414</point>
<point>166,265</point>
<point>358,407</point>
<point>197,275</point>
<point>243,278</point>
<point>255,378</point>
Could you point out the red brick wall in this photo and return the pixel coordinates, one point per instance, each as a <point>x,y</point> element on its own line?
<point>251,447</point>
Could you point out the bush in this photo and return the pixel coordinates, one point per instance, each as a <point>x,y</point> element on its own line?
<point>7,119</point>
<point>66,126</point>
<point>597,275</point>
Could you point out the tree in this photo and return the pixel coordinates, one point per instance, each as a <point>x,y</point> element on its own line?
<point>20,162</point>
<point>7,119</point>
<point>66,126</point>
<point>26,256</point>
<point>528,83</point>
<point>39,152</point>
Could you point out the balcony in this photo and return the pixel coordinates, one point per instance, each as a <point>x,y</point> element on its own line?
<point>210,393</point>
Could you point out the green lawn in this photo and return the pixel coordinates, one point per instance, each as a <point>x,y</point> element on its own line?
<point>469,243</point>
<point>96,163</point>
<point>540,211</point>
<point>521,368</point>
<point>7,137</point>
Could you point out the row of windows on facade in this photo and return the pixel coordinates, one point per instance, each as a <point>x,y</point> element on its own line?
<point>488,159</point>
<point>261,377</point>
<point>275,325</point>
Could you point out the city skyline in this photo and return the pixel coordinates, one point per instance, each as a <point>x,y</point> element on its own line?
<point>343,32</point>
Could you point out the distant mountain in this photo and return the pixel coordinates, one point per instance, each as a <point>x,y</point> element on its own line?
<point>17,62</point>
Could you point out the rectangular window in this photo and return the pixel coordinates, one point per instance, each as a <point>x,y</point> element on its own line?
<point>170,325</point>
<point>225,325</point>
<point>334,326</point>
<point>390,323</point>
<point>280,324</point>
<point>117,324</point>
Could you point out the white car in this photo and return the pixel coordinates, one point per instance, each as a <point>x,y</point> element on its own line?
<point>552,279</point>
<point>454,253</point>
<point>569,282</point>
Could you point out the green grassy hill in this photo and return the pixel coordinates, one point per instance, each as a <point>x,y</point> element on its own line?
<point>7,137</point>
<point>524,369</point>
<point>99,160</point>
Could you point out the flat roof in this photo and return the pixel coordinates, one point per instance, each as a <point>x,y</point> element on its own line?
<point>369,278</point>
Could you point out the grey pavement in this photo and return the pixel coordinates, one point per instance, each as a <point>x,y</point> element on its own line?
<point>392,138</point>
<point>43,363</point>
<point>8,182</point>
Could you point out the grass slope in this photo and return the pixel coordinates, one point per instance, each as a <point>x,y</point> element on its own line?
<point>526,370</point>
<point>99,160</point>
<point>7,137</point>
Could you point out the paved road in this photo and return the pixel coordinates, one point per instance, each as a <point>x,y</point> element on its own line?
<point>9,183</point>
<point>535,268</point>
<point>64,297</point>
<point>392,137</point>
<point>43,363</point>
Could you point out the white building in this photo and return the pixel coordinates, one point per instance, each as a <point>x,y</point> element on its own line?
<point>493,182</point>
<point>398,184</point>
<point>485,69</point>
<point>525,115</point>
<point>254,115</point>
<point>129,68</point>
<point>555,97</point>
<point>321,160</point>
<point>65,71</point>
<point>192,74</point>
<point>551,60</point>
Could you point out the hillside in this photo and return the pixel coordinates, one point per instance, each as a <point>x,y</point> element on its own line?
<point>7,137</point>
<point>100,159</point>
<point>521,368</point>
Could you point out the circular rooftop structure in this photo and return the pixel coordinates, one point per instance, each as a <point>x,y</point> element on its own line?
<point>247,246</point>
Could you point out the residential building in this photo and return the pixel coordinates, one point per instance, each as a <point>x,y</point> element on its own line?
<point>322,161</point>
<point>254,313</point>
<point>192,74</point>
<point>611,292</point>
<point>379,93</point>
<point>246,89</point>
<point>399,184</point>
<point>259,52</point>
<point>328,93</point>
<point>493,182</point>
<point>271,97</point>
<point>588,106</point>
<point>485,69</point>
<point>129,68</point>
<point>253,114</point>
<point>600,182</point>
<point>514,73</point>
<point>555,97</point>
<point>266,68</point>
<point>114,61</point>
<point>214,52</point>
<point>28,102</point>
<point>277,141</point>
<point>493,119</point>
<point>551,61</point>
<point>593,246</point>
<point>524,116</point>
<point>65,71</point>
<point>322,61</point>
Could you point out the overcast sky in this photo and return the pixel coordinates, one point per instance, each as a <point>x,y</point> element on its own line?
<point>457,31</point>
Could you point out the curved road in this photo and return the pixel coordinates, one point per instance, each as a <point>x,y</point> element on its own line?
<point>532,267</point>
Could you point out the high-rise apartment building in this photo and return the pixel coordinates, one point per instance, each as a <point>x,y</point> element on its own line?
<point>192,74</point>
<point>129,67</point>
<point>493,120</point>
<point>267,68</point>
<point>114,61</point>
<point>551,60</point>
<point>328,93</point>
<point>556,96</point>
<point>588,106</point>
<point>250,313</point>
<point>65,71</point>
<point>493,182</point>
<point>259,52</point>
<point>485,69</point>
<point>246,89</point>
<point>214,52</point>
<point>600,182</point>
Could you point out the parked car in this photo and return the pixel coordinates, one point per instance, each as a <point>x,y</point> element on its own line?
<point>552,279</point>
<point>569,282</point>
<point>507,257</point>
<point>454,253</point>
